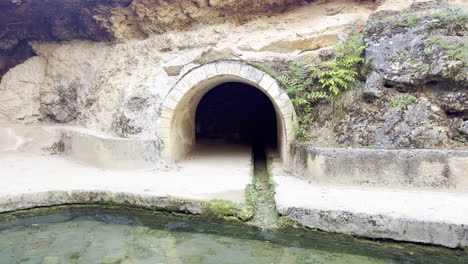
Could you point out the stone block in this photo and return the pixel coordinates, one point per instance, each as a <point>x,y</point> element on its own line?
<point>210,70</point>
<point>256,75</point>
<point>175,95</point>
<point>164,123</point>
<point>234,67</point>
<point>189,82</point>
<point>169,103</point>
<point>167,113</point>
<point>282,98</point>
<point>266,82</point>
<point>164,132</point>
<point>287,109</point>
<point>290,134</point>
<point>198,74</point>
<point>274,90</point>
<point>373,87</point>
<point>222,67</point>
<point>246,71</point>
<point>182,87</point>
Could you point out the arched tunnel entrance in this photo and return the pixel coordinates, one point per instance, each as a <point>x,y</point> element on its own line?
<point>236,113</point>
<point>225,101</point>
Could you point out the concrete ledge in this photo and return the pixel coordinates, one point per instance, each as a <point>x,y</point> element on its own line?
<point>424,217</point>
<point>59,197</point>
<point>110,152</point>
<point>193,179</point>
<point>441,170</point>
<point>93,148</point>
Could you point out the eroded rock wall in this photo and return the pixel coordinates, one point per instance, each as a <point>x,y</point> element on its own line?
<point>117,87</point>
<point>109,20</point>
<point>416,93</point>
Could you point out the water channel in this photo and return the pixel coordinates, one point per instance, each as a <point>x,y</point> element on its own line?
<point>93,235</point>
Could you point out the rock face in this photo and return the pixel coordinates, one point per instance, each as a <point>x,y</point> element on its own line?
<point>420,124</point>
<point>51,20</point>
<point>106,20</point>
<point>117,87</point>
<point>20,91</point>
<point>55,20</point>
<point>373,87</point>
<point>416,94</point>
<point>419,46</point>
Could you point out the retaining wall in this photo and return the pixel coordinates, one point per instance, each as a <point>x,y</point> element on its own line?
<point>441,170</point>
<point>96,149</point>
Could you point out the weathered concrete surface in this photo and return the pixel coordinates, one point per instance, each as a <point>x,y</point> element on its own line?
<point>426,217</point>
<point>13,202</point>
<point>93,148</point>
<point>30,180</point>
<point>441,170</point>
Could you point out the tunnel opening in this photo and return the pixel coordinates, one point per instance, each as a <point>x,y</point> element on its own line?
<point>180,134</point>
<point>236,113</point>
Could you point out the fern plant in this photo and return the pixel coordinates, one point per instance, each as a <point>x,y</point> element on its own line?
<point>308,86</point>
<point>335,78</point>
<point>340,75</point>
<point>298,82</point>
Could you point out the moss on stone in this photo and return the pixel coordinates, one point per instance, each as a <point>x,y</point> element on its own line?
<point>220,209</point>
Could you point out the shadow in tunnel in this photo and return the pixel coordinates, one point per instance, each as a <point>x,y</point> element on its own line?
<point>236,113</point>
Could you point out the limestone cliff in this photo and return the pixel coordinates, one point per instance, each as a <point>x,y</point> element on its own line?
<point>117,87</point>
<point>107,20</point>
<point>107,64</point>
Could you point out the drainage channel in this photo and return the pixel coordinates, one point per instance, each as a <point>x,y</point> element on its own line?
<point>262,190</point>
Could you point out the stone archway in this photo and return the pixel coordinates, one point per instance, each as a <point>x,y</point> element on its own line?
<point>176,126</point>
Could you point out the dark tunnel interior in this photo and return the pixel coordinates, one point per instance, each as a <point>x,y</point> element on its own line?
<point>236,113</point>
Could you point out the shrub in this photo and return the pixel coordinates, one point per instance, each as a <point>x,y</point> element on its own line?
<point>307,85</point>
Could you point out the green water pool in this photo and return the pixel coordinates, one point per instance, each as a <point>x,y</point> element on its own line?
<point>94,236</point>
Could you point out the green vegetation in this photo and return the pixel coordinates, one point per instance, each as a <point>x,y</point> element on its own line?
<point>456,51</point>
<point>452,20</point>
<point>375,24</point>
<point>219,209</point>
<point>307,85</point>
<point>260,195</point>
<point>255,194</point>
<point>438,15</point>
<point>462,139</point>
<point>409,22</point>
<point>402,100</point>
<point>403,55</point>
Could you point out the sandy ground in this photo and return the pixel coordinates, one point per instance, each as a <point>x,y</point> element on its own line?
<point>213,172</point>
<point>425,206</point>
